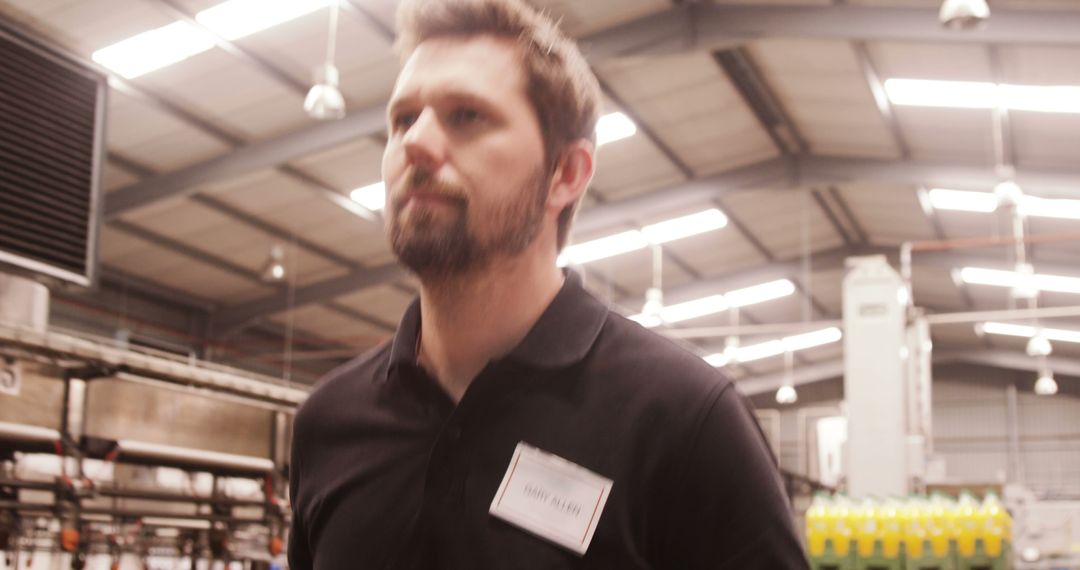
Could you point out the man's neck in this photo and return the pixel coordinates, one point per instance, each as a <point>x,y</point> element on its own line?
<point>468,320</point>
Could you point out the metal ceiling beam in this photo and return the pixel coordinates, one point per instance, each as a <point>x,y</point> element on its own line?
<point>881,99</point>
<point>238,315</point>
<point>245,160</point>
<point>1010,360</point>
<point>804,374</point>
<point>1050,183</point>
<point>701,26</point>
<point>772,173</point>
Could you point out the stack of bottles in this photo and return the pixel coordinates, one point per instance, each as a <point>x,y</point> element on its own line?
<point>923,533</point>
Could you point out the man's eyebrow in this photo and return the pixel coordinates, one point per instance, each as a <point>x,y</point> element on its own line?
<point>453,95</point>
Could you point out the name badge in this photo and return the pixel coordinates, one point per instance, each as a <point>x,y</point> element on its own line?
<point>551,497</point>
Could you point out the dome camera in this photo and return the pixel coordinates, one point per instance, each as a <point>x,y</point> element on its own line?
<point>964,14</point>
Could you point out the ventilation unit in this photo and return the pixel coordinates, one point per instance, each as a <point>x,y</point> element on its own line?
<point>51,147</point>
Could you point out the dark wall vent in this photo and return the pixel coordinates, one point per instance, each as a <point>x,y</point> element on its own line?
<point>51,148</point>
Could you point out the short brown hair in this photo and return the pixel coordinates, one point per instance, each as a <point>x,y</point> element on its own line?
<point>560,85</point>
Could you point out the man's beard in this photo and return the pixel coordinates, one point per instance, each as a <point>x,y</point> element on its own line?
<point>436,248</point>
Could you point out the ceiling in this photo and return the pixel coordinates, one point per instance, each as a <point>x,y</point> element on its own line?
<point>767,110</point>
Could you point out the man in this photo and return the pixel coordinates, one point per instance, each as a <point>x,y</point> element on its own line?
<point>514,422</point>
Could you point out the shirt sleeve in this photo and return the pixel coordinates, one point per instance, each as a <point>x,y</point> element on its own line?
<point>728,507</point>
<point>299,550</point>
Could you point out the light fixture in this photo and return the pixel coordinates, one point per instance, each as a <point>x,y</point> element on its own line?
<point>983,95</point>
<point>1045,385</point>
<point>685,226</point>
<point>1026,331</point>
<point>986,202</point>
<point>752,352</point>
<point>324,101</point>
<point>274,268</point>
<point>1039,345</point>
<point>760,293</point>
<point>236,19</point>
<point>154,49</point>
<point>623,242</point>
<point>963,14</point>
<point>1009,193</point>
<point>372,196</point>
<point>175,42</point>
<point>1020,280</point>
<point>713,304</point>
<point>633,240</point>
<point>786,395</point>
<point>945,199</point>
<point>613,127</point>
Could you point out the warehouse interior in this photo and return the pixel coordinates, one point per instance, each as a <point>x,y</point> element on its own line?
<point>864,212</point>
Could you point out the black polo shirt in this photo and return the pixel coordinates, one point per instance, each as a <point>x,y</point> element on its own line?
<point>388,473</point>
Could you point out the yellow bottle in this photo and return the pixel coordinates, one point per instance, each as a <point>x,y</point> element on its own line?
<point>866,529</point>
<point>938,527</point>
<point>842,524</point>
<point>913,521</point>
<point>816,529</point>
<point>966,525</point>
<point>996,524</point>
<point>891,529</point>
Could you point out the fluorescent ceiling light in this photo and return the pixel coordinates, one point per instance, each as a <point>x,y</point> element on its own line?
<point>932,93</point>
<point>694,309</point>
<point>760,293</point>
<point>613,127</point>
<point>605,247</point>
<point>718,303</point>
<point>235,19</point>
<point>983,202</point>
<point>777,347</point>
<point>632,240</point>
<point>1002,278</point>
<point>1050,208</point>
<point>164,46</point>
<point>143,53</point>
<point>685,226</point>
<point>372,196</point>
<point>980,95</point>
<point>1025,331</point>
<point>987,202</point>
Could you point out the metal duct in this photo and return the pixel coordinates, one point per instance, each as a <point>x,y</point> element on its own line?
<point>191,458</point>
<point>21,433</point>
<point>152,365</point>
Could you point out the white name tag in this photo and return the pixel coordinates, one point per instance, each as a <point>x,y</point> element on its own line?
<point>551,497</point>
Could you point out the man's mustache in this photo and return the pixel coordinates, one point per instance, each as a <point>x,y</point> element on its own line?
<point>420,180</point>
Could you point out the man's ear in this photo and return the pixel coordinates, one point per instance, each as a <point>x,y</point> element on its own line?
<point>572,174</point>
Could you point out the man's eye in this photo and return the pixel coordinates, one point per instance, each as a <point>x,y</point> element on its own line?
<point>404,120</point>
<point>465,117</point>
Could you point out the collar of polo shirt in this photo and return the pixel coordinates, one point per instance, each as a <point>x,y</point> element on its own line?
<point>562,336</point>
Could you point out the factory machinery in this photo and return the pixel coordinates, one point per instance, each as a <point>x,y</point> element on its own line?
<point>68,498</point>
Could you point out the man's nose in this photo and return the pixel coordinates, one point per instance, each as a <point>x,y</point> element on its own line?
<point>425,141</point>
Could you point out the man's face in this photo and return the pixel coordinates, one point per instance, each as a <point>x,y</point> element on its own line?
<point>463,166</point>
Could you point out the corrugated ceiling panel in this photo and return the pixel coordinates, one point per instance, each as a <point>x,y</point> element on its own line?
<point>115,177</point>
<point>231,92</point>
<point>933,133</point>
<point>776,218</point>
<point>263,191</point>
<point>332,325</point>
<point>89,26</point>
<point>1045,140</point>
<point>631,166</point>
<point>821,86</point>
<point>718,253</point>
<point>347,166</point>
<point>934,288</point>
<point>383,302</point>
<point>579,18</point>
<point>890,215</point>
<point>155,138</point>
<point>633,272</point>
